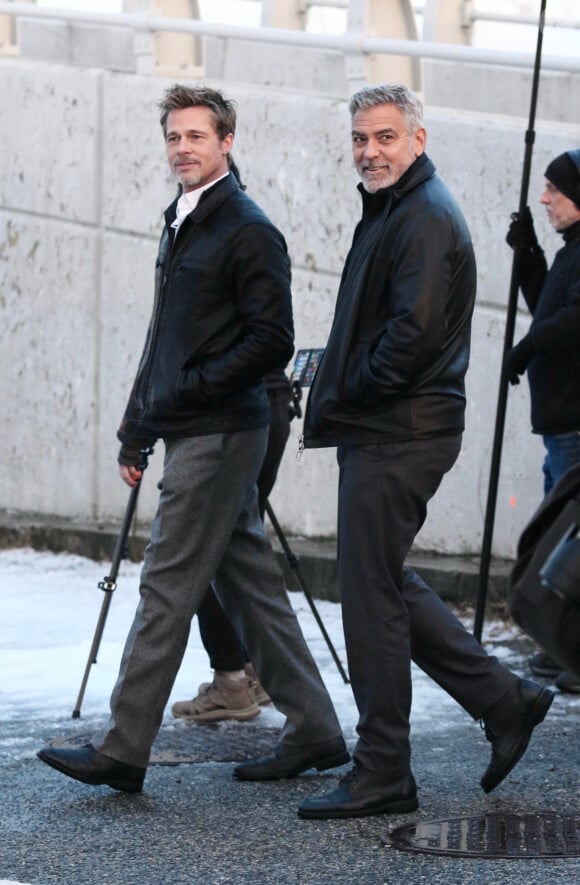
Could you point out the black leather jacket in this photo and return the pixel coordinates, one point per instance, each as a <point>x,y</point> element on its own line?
<point>395,362</point>
<point>222,319</point>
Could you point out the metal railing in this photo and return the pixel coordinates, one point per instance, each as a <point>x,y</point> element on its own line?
<point>472,14</point>
<point>348,43</point>
<point>510,18</point>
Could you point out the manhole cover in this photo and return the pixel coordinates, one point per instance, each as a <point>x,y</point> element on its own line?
<point>219,742</point>
<point>493,835</point>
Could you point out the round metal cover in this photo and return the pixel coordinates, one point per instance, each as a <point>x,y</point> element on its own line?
<point>541,834</point>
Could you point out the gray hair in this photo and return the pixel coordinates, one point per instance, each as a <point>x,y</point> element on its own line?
<point>390,93</point>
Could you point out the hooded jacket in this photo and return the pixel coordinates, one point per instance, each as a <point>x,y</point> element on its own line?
<point>222,319</point>
<point>398,350</point>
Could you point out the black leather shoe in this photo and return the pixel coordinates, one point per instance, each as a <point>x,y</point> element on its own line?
<point>509,726</point>
<point>287,761</point>
<point>89,766</point>
<point>361,793</point>
<point>568,681</point>
<point>542,665</point>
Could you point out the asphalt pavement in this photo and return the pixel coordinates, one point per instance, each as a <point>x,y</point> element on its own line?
<point>195,824</point>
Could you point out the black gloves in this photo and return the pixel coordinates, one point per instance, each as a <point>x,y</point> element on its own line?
<point>517,359</point>
<point>521,234</point>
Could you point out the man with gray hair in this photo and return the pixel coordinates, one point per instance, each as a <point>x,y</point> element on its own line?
<point>390,394</point>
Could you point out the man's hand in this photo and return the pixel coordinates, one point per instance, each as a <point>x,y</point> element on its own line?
<point>521,234</point>
<point>130,475</point>
<point>132,463</point>
<point>517,359</point>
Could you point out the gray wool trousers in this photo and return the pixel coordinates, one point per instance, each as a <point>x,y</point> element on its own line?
<point>207,528</point>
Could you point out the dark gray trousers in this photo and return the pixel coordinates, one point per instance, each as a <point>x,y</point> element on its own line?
<point>207,526</point>
<point>390,615</point>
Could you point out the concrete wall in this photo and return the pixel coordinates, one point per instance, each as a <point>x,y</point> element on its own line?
<point>83,183</point>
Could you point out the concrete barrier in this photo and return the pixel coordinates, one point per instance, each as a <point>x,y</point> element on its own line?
<point>83,184</point>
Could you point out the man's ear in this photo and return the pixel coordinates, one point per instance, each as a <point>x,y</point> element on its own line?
<point>419,141</point>
<point>228,142</point>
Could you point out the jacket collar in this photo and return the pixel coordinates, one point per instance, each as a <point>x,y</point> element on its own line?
<point>209,200</point>
<point>572,232</point>
<point>418,172</point>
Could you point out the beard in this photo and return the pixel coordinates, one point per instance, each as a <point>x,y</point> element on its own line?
<point>190,177</point>
<point>384,174</point>
<point>376,181</point>
<point>190,181</point>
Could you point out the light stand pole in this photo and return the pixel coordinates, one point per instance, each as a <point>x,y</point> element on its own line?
<point>508,340</point>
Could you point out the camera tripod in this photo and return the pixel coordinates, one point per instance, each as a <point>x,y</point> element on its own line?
<point>109,584</point>
<point>293,562</point>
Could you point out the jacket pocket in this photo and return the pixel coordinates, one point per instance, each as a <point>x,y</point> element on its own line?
<point>351,385</point>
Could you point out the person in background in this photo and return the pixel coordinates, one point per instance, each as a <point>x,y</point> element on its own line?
<point>550,352</point>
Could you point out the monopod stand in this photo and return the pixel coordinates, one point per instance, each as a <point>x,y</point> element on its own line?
<point>109,584</point>
<point>486,546</point>
<point>293,563</point>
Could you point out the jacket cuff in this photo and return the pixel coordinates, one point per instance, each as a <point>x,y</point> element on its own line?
<point>129,457</point>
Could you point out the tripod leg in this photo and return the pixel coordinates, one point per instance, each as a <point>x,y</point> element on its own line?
<point>108,585</point>
<point>293,563</point>
<point>92,659</point>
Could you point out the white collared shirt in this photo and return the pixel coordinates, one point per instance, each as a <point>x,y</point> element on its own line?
<point>188,202</point>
